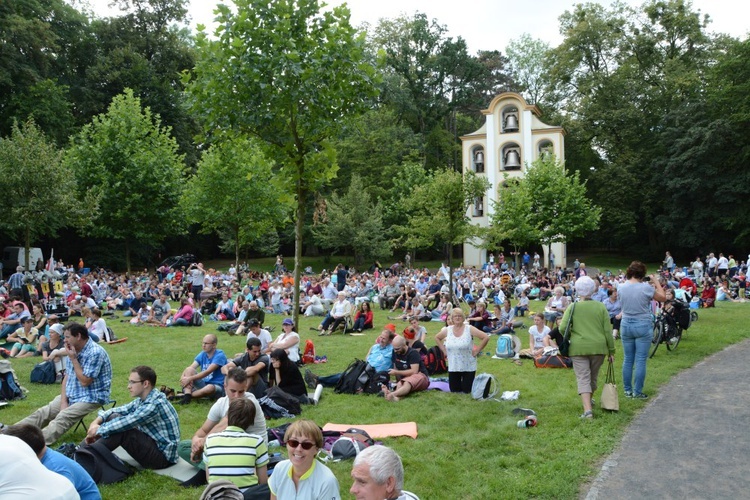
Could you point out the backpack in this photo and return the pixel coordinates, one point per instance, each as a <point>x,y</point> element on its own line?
<point>505,346</point>
<point>553,361</point>
<point>309,354</point>
<point>485,387</point>
<point>434,361</point>
<point>197,319</point>
<point>9,388</point>
<point>103,466</point>
<point>222,489</point>
<point>346,447</point>
<point>43,373</point>
<point>284,399</point>
<point>349,382</point>
<point>109,335</point>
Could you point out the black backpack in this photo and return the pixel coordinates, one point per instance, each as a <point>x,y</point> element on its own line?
<point>284,399</point>
<point>43,373</point>
<point>102,465</point>
<point>197,319</point>
<point>350,383</point>
<point>374,382</point>
<point>434,361</point>
<point>9,389</point>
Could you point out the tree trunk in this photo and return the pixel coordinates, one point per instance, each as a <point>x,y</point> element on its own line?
<point>237,248</point>
<point>127,254</point>
<point>27,250</point>
<point>298,227</point>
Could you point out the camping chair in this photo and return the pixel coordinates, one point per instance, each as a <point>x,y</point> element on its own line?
<point>112,403</point>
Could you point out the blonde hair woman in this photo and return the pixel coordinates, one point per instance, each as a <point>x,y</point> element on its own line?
<point>457,343</point>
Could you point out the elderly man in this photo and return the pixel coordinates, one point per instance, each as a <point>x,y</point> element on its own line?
<point>209,381</point>
<point>389,294</point>
<point>409,370</point>
<point>377,474</point>
<point>340,310</point>
<point>85,386</point>
<point>147,428</point>
<point>314,306</point>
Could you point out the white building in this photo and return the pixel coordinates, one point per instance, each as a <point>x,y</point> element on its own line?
<point>512,137</point>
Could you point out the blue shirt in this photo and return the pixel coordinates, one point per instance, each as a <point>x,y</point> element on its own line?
<point>154,416</point>
<point>381,358</point>
<point>59,463</point>
<point>95,364</point>
<point>218,358</point>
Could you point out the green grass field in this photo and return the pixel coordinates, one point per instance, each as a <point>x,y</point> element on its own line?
<point>465,449</point>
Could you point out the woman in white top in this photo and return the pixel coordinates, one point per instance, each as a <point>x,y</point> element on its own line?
<point>287,340</point>
<point>457,343</point>
<point>556,306</point>
<point>98,327</point>
<point>538,337</point>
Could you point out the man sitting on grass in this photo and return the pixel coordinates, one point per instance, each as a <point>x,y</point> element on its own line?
<point>235,386</point>
<point>208,382</point>
<point>409,370</point>
<point>237,456</point>
<point>147,428</point>
<point>255,364</point>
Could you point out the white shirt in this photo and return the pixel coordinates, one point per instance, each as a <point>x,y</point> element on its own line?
<point>221,407</point>
<point>22,475</point>
<point>264,336</point>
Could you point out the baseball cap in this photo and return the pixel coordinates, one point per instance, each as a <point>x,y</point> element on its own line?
<point>287,321</point>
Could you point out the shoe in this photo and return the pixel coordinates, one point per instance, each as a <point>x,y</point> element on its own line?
<point>186,398</point>
<point>640,396</point>
<point>518,362</point>
<point>588,414</point>
<point>628,394</point>
<point>312,328</point>
<point>527,412</point>
<point>310,379</point>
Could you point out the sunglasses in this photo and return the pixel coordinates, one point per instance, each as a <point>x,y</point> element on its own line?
<point>306,445</point>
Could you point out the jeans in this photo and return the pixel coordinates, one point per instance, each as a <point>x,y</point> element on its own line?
<point>180,322</point>
<point>330,380</point>
<point>636,342</point>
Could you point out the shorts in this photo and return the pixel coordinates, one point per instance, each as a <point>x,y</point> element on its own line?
<point>418,381</point>
<point>218,388</point>
<point>197,289</point>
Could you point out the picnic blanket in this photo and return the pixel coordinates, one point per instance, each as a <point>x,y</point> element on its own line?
<point>181,471</point>
<point>377,431</point>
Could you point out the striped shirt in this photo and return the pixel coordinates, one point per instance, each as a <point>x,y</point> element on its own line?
<point>95,364</point>
<point>154,416</point>
<point>233,455</point>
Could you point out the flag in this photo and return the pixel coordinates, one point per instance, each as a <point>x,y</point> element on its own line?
<point>51,261</point>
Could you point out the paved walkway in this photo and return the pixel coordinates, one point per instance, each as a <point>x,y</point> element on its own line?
<point>691,441</point>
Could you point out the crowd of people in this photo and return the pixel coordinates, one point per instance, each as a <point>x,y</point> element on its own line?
<point>600,308</point>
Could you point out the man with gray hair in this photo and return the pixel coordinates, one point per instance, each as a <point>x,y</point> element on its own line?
<point>378,474</point>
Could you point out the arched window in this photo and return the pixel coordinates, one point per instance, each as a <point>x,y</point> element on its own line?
<point>545,148</point>
<point>510,157</point>
<point>477,158</point>
<point>510,119</point>
<point>478,210</point>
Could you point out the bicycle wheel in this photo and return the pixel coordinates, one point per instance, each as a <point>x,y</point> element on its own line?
<point>693,316</point>
<point>673,341</point>
<point>657,338</point>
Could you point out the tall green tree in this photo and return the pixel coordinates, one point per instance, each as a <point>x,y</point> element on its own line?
<point>234,194</point>
<point>39,190</point>
<point>289,74</point>
<point>353,221</point>
<point>555,204</point>
<point>527,67</point>
<point>510,221</point>
<point>440,211</point>
<point>131,162</point>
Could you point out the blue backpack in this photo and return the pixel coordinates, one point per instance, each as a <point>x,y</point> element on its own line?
<point>43,373</point>
<point>9,389</point>
<point>504,346</point>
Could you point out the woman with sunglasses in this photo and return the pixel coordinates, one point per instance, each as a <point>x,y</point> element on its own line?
<point>301,476</point>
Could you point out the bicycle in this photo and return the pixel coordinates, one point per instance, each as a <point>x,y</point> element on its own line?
<point>665,331</point>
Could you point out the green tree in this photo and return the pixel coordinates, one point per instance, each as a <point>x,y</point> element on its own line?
<point>39,190</point>
<point>233,193</point>
<point>527,67</point>
<point>440,211</point>
<point>559,209</point>
<point>510,221</point>
<point>131,162</point>
<point>353,221</point>
<point>288,74</point>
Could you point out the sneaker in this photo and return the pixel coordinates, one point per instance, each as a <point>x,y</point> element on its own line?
<point>186,398</point>
<point>523,411</point>
<point>640,396</point>
<point>310,379</point>
<point>588,414</point>
<point>628,394</point>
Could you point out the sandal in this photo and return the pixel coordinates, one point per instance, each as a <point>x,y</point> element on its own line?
<point>588,414</point>
<point>518,362</point>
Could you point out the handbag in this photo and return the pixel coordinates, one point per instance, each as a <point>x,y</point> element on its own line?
<point>610,399</point>
<point>565,345</point>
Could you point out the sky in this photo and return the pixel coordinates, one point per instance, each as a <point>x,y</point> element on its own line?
<point>491,24</point>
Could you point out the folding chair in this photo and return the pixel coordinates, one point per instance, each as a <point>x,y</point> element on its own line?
<point>112,403</point>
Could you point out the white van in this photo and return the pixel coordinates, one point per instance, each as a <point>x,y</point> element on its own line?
<point>16,256</point>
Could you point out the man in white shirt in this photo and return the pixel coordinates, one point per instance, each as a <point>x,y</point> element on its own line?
<point>260,333</point>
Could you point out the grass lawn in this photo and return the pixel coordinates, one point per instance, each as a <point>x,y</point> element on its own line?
<point>465,449</point>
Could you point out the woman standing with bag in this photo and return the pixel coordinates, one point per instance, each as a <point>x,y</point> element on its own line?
<point>637,324</point>
<point>590,340</point>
